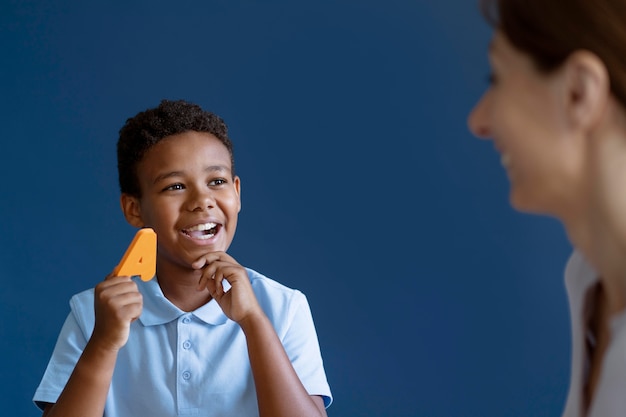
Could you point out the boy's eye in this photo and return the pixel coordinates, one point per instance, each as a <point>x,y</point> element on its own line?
<point>217,181</point>
<point>174,187</point>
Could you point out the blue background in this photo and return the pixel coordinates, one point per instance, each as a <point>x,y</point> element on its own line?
<point>361,186</point>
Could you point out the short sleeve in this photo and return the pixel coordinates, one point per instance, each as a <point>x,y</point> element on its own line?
<point>67,351</point>
<point>302,347</point>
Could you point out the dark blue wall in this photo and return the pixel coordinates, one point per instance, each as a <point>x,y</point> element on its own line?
<point>361,186</point>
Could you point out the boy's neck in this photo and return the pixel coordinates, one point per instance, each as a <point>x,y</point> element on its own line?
<point>179,286</point>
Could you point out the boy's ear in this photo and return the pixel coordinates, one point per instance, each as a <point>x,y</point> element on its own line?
<point>587,89</point>
<point>132,210</point>
<point>237,183</point>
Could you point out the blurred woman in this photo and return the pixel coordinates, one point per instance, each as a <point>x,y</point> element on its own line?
<point>556,112</point>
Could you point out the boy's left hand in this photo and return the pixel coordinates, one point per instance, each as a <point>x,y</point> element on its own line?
<point>239,302</point>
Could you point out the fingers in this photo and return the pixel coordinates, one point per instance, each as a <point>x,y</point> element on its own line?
<point>117,303</point>
<point>211,257</point>
<point>217,266</point>
<point>239,301</point>
<point>215,273</point>
<point>121,296</point>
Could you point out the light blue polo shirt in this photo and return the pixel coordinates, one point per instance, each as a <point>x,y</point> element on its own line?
<point>188,364</point>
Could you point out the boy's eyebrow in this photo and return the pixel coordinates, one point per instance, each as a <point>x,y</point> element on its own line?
<point>212,168</point>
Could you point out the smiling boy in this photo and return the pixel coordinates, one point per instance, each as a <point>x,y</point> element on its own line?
<point>206,336</point>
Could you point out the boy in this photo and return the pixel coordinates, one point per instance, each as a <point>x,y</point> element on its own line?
<point>206,336</point>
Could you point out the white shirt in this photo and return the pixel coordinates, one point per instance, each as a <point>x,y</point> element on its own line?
<point>610,395</point>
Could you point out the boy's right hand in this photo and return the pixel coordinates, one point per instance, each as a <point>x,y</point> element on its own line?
<point>117,303</point>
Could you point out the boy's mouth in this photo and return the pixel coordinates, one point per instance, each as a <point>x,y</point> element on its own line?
<point>202,231</point>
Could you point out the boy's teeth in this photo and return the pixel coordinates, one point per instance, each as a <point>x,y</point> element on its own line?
<point>202,227</point>
<point>202,231</point>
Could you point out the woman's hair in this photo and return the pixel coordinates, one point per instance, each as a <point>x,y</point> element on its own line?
<point>550,30</point>
<point>146,129</point>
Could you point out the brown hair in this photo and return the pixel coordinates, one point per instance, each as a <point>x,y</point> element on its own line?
<point>550,30</point>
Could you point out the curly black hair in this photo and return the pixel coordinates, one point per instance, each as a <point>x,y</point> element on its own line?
<point>147,128</point>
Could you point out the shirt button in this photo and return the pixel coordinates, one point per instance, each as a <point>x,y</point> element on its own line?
<point>186,375</point>
<point>187,344</point>
<point>186,320</point>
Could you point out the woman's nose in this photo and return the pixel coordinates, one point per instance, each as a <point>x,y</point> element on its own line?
<point>477,120</point>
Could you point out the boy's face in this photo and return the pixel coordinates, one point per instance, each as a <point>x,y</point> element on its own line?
<point>189,197</point>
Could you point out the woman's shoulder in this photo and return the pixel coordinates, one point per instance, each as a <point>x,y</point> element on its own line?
<point>579,273</point>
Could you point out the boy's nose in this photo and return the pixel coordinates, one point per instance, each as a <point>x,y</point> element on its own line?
<point>201,200</point>
<point>477,120</point>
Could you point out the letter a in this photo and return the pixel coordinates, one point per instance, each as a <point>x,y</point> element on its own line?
<point>140,257</point>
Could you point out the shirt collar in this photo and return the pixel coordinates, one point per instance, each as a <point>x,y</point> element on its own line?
<point>157,309</point>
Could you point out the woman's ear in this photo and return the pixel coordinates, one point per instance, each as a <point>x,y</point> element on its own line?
<point>587,88</point>
<point>132,210</point>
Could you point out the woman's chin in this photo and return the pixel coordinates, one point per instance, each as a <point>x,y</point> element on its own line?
<point>527,203</point>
